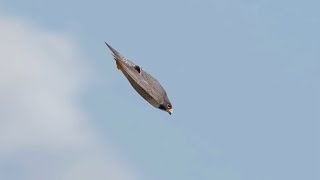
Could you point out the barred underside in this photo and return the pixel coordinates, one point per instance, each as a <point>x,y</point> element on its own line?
<point>142,92</point>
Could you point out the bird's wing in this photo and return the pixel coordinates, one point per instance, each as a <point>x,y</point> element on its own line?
<point>157,90</point>
<point>135,72</point>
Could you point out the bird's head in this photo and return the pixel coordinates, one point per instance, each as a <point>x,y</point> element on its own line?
<point>166,107</point>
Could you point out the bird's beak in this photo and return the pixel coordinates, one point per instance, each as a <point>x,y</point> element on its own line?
<point>170,111</point>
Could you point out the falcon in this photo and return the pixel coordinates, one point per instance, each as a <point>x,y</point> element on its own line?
<point>147,86</point>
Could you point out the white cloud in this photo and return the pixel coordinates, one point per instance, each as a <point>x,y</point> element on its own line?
<point>44,134</point>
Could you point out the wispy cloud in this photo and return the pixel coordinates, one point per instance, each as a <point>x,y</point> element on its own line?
<point>44,134</point>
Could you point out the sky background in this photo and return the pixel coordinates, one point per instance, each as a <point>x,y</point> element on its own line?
<point>242,75</point>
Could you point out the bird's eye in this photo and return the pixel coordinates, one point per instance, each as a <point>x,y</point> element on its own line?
<point>169,106</point>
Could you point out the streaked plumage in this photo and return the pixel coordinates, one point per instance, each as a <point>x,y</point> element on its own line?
<point>147,86</point>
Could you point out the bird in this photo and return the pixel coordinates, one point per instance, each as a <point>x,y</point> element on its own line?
<point>147,86</point>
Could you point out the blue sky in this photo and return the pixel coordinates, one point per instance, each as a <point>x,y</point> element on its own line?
<point>243,77</point>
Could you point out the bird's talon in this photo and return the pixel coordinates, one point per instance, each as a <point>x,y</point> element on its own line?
<point>118,65</point>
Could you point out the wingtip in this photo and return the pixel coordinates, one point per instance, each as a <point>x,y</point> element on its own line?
<point>115,53</point>
<point>107,44</point>
<point>111,48</point>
